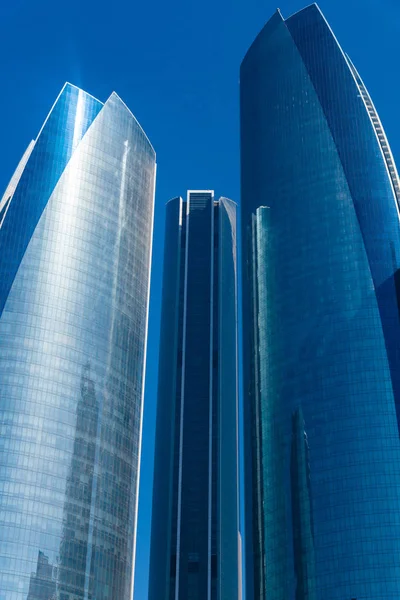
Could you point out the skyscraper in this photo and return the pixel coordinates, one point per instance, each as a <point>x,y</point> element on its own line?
<point>194,544</point>
<point>321,258</point>
<point>75,249</point>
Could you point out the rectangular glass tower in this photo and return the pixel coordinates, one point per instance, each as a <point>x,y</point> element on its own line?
<point>194,553</point>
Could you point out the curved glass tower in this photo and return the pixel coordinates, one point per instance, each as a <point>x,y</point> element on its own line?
<point>195,541</point>
<point>321,259</point>
<point>75,248</point>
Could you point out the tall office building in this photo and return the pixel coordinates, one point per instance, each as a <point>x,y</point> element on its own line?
<point>194,544</point>
<point>75,246</point>
<point>321,258</point>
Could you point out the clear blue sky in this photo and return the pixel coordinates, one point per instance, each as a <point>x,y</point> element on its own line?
<point>176,65</point>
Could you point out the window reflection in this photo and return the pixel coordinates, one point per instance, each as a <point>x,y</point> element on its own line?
<point>42,585</point>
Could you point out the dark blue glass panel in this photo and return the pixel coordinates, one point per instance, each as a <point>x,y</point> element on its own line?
<point>363,163</point>
<point>166,465</point>
<point>226,441</point>
<point>193,555</point>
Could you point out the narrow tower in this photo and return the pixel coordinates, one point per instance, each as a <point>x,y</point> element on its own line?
<point>194,546</point>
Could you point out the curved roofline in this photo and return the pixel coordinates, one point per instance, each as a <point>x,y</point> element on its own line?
<point>260,33</point>
<point>69,84</point>
<point>133,116</point>
<point>174,199</point>
<point>51,110</point>
<point>278,12</point>
<point>304,9</point>
<point>66,84</point>
<point>222,198</point>
<point>76,87</point>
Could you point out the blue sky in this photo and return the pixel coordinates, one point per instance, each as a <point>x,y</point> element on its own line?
<point>176,65</point>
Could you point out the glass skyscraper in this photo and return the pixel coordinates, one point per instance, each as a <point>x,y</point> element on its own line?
<point>75,248</point>
<point>321,292</point>
<point>195,531</point>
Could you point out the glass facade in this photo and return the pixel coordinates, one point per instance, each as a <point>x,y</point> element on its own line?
<point>321,251</point>
<point>75,249</point>
<point>194,546</point>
